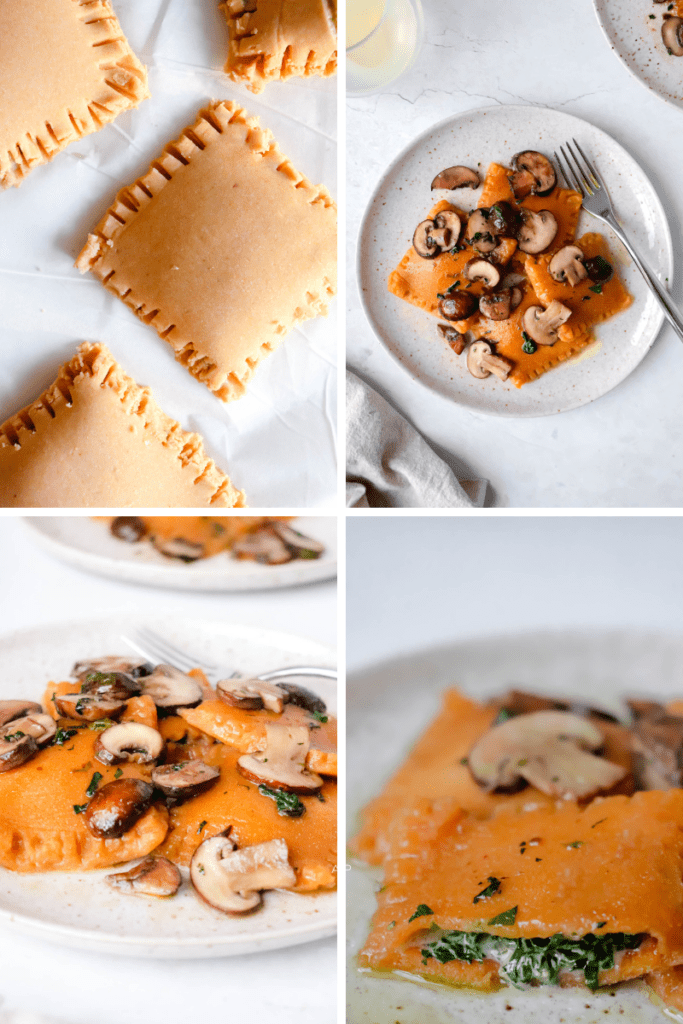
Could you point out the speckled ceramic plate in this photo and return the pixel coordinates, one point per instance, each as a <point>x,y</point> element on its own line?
<point>633,28</point>
<point>79,909</point>
<point>401,201</point>
<point>89,545</point>
<point>386,712</point>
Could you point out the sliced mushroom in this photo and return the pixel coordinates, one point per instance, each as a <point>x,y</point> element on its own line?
<point>457,305</point>
<point>504,218</point>
<point>537,232</point>
<point>231,880</point>
<point>133,667</point>
<point>298,543</point>
<point>672,35</point>
<point>533,174</point>
<point>251,694</point>
<point>39,726</point>
<point>11,709</point>
<point>128,741</point>
<point>185,779</point>
<point>519,702</point>
<point>86,708</point>
<point>455,339</point>
<point>479,269</point>
<point>424,243</point>
<point>481,362</point>
<point>598,269</point>
<point>282,764</point>
<point>153,876</point>
<point>658,750</point>
<point>567,265</point>
<point>450,224</point>
<point>542,324</point>
<point>16,747</point>
<point>170,688</point>
<point>117,806</point>
<point>262,546</point>
<point>111,685</point>
<point>303,698</point>
<point>129,528</point>
<point>548,749</point>
<point>180,548</point>
<point>497,305</point>
<point>516,297</point>
<point>480,232</point>
<point>456,177</point>
<point>639,708</point>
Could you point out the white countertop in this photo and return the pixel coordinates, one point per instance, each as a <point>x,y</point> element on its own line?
<point>623,449</point>
<point>282,987</point>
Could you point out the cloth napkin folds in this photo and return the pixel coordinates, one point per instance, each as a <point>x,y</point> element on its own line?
<point>390,465</point>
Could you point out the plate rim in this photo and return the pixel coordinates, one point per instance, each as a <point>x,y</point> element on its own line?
<point>437,126</point>
<point>158,946</point>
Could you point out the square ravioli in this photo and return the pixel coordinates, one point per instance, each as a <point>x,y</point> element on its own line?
<point>66,70</point>
<point>95,438</point>
<point>611,869</point>
<point>272,39</point>
<point>223,247</point>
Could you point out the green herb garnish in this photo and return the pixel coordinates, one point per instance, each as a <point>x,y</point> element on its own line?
<point>597,288</point>
<point>288,804</point>
<point>490,890</point>
<point>79,808</point>
<point>320,717</point>
<point>528,961</point>
<point>62,735</point>
<point>94,783</point>
<point>118,773</point>
<point>422,911</point>
<point>507,917</point>
<point>14,736</point>
<point>308,554</point>
<point>101,724</point>
<point>575,845</point>
<point>218,529</point>
<point>529,345</point>
<point>202,825</point>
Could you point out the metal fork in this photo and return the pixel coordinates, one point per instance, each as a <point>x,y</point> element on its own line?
<point>582,176</point>
<point>150,645</point>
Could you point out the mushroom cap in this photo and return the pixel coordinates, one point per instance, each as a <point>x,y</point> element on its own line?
<point>185,779</point>
<point>251,694</point>
<point>532,164</point>
<point>537,232</point>
<point>298,543</point>
<point>282,764</point>
<point>423,243</point>
<point>456,177</point>
<point>170,688</point>
<point>480,269</point>
<point>85,707</point>
<point>567,265</point>
<point>153,876</point>
<point>133,667</point>
<point>672,36</point>
<point>550,750</point>
<point>231,880</point>
<point>457,305</point>
<point>129,528</point>
<point>180,548</point>
<point>11,709</point>
<point>117,806</point>
<point>303,697</point>
<point>111,685</point>
<point>128,741</point>
<point>480,232</point>
<point>475,352</point>
<point>40,726</point>
<point>16,747</point>
<point>264,546</point>
<point>455,339</point>
<point>504,217</point>
<point>542,324</point>
<point>497,305</point>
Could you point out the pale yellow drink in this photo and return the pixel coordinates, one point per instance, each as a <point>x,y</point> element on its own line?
<point>362,16</point>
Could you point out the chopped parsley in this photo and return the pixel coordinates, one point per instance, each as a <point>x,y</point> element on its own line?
<point>391,925</point>
<point>94,783</point>
<point>218,529</point>
<point>63,735</point>
<point>288,804</point>
<point>540,961</point>
<point>101,724</point>
<point>320,717</point>
<point>597,288</point>
<point>490,890</point>
<point>575,845</point>
<point>464,760</point>
<point>422,911</point>
<point>529,346</point>
<point>14,736</point>
<point>118,773</point>
<point>79,808</point>
<point>202,825</point>
<point>507,917</point>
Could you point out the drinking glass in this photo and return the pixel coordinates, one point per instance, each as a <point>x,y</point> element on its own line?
<point>383,39</point>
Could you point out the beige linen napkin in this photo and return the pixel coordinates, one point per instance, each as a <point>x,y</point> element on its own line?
<point>389,465</point>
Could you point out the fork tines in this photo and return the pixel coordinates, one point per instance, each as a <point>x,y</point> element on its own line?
<point>583,178</point>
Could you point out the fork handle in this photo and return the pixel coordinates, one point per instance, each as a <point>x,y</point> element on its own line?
<point>671,312</point>
<point>301,670</point>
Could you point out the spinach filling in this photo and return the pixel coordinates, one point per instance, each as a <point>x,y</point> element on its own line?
<point>534,961</point>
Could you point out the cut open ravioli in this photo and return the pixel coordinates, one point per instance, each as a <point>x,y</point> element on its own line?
<point>66,70</point>
<point>223,247</point>
<point>274,39</point>
<point>95,438</point>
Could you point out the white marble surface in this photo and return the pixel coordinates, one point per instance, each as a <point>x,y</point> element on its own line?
<point>622,450</point>
<point>282,987</point>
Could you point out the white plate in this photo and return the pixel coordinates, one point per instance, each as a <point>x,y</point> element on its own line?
<point>403,197</point>
<point>637,41</point>
<point>89,545</point>
<point>78,909</point>
<point>386,711</point>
